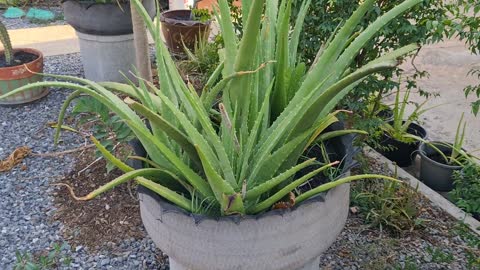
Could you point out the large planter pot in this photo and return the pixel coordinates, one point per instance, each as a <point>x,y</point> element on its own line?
<point>280,239</point>
<point>105,35</point>
<point>287,239</point>
<point>402,153</point>
<point>16,76</point>
<point>179,29</point>
<point>434,172</point>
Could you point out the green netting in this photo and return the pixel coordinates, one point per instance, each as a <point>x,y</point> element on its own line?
<point>40,14</point>
<point>13,13</point>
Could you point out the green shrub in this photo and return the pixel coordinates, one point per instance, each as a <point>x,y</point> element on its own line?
<point>466,193</point>
<point>391,206</point>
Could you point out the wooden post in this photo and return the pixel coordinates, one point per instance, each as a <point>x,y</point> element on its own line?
<point>142,51</point>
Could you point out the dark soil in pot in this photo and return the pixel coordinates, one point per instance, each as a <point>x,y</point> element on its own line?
<point>435,172</point>
<point>19,58</point>
<point>402,153</point>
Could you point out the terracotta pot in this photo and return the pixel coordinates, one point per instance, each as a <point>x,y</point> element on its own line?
<point>178,29</point>
<point>17,76</point>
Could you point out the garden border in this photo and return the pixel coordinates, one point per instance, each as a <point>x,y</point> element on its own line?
<point>432,195</point>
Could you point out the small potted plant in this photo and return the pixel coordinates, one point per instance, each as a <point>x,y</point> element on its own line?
<point>440,159</point>
<point>396,142</point>
<point>184,27</point>
<point>226,185</point>
<point>19,67</point>
<point>105,32</point>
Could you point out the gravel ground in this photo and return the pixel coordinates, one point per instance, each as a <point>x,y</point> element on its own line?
<point>26,207</point>
<point>22,23</point>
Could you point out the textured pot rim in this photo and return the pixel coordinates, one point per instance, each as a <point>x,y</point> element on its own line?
<point>176,22</point>
<point>38,53</point>
<point>169,207</point>
<point>424,156</point>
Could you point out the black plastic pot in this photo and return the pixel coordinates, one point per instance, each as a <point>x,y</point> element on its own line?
<point>435,174</point>
<point>179,29</point>
<point>102,19</point>
<point>402,153</point>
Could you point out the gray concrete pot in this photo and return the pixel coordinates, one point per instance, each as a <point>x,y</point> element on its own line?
<point>105,58</point>
<point>276,240</point>
<point>102,19</point>
<point>105,36</point>
<point>434,174</point>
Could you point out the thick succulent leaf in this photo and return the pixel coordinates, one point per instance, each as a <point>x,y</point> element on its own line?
<point>253,193</point>
<point>166,193</point>
<point>228,199</point>
<point>330,185</point>
<point>267,203</point>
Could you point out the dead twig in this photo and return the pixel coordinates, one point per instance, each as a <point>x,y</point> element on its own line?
<point>58,154</point>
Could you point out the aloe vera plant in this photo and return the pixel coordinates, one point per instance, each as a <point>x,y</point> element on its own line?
<point>269,111</point>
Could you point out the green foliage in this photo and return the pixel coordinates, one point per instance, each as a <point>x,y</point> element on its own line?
<point>202,61</point>
<point>202,15</point>
<point>440,256</point>
<point>422,24</point>
<point>109,129</point>
<point>466,193</point>
<point>398,127</point>
<point>474,90</point>
<point>465,25</point>
<point>267,109</point>
<point>54,259</point>
<point>391,206</point>
<point>7,44</point>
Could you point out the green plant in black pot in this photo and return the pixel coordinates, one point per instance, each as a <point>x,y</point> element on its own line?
<point>396,144</point>
<point>440,159</point>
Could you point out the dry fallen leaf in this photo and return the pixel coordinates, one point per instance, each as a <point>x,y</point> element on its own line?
<point>15,158</point>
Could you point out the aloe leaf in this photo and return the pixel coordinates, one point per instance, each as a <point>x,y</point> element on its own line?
<point>282,57</point>
<point>169,129</point>
<point>229,37</point>
<point>226,196</point>
<point>266,168</point>
<point>333,134</point>
<point>253,193</point>
<point>339,182</point>
<point>115,161</point>
<point>336,47</point>
<point>117,181</point>
<point>61,115</point>
<point>192,177</point>
<point>297,30</point>
<point>287,189</point>
<point>166,193</point>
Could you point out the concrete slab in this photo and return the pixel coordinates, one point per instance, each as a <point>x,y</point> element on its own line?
<point>51,40</point>
<point>448,64</point>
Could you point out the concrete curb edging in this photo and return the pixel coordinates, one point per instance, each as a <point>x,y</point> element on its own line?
<point>432,195</point>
